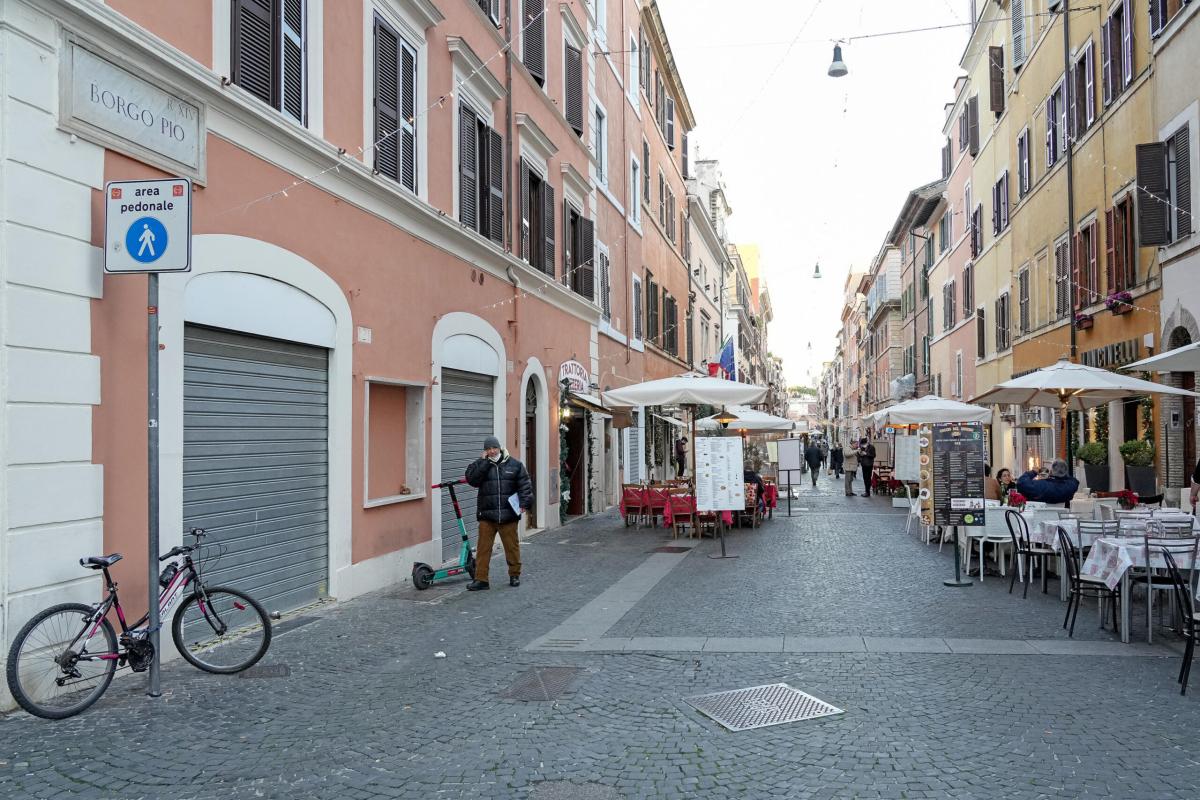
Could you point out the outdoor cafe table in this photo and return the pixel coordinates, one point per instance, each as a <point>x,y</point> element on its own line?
<point>1110,562</point>
<point>726,516</point>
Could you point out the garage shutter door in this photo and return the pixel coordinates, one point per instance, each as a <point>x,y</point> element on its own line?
<point>468,417</point>
<point>255,463</point>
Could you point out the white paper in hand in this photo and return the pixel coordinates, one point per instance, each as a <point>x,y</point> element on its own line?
<point>515,501</point>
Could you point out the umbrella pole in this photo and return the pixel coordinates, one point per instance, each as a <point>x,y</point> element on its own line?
<point>1062,424</point>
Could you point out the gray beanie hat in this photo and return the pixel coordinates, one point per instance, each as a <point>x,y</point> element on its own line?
<point>491,442</point>
<point>1059,468</point>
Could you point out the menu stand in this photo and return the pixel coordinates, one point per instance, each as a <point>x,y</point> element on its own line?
<point>958,578</point>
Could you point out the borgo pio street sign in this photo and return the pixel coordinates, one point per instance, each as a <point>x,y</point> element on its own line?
<point>148,226</point>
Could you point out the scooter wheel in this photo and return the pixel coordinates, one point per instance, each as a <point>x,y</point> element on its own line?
<point>422,576</point>
<point>471,567</point>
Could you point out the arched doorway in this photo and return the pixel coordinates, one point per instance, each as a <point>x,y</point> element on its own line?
<point>1186,407</point>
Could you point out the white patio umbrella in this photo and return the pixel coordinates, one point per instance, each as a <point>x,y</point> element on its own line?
<point>929,409</point>
<point>1071,387</point>
<point>749,420</point>
<point>1181,359</point>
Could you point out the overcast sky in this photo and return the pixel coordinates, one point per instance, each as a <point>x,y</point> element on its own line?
<point>816,168</point>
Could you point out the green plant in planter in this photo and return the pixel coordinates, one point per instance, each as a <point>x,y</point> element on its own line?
<point>1093,453</point>
<point>1138,453</point>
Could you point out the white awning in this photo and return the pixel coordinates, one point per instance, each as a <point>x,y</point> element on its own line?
<point>671,421</point>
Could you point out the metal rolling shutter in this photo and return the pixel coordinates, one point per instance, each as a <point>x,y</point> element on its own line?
<point>255,463</point>
<point>468,417</point>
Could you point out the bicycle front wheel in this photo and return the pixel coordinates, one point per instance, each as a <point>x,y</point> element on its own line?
<point>221,630</point>
<point>50,679</point>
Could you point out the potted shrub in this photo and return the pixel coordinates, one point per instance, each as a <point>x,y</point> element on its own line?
<point>1083,321</point>
<point>1094,456</point>
<point>1119,302</point>
<point>1138,456</point>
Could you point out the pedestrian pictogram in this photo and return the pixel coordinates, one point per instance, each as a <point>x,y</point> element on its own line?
<point>148,226</point>
<point>146,240</point>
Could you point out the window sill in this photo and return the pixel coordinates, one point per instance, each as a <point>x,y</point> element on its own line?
<point>393,500</point>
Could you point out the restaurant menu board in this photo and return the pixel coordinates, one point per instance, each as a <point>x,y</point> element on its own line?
<point>957,473</point>
<point>719,477</point>
<point>791,454</point>
<point>908,459</point>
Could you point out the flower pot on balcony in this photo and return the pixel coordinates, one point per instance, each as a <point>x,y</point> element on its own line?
<point>1083,323</point>
<point>1120,308</point>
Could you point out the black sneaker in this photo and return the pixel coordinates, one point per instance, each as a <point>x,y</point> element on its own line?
<point>476,586</point>
<point>514,580</point>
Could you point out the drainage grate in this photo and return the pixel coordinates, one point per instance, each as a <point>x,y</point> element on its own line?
<point>671,549</point>
<point>541,683</point>
<point>760,706</point>
<point>267,671</point>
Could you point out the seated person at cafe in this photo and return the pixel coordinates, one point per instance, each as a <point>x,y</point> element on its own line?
<point>749,475</point>
<point>1005,479</point>
<point>1057,487</point>
<point>991,486</point>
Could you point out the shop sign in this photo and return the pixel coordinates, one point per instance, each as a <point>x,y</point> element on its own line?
<point>110,104</point>
<point>1116,354</point>
<point>576,376</point>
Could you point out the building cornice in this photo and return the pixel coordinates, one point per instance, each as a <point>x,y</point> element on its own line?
<point>481,81</point>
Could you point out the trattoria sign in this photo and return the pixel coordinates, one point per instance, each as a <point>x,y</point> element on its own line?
<point>109,103</point>
<point>576,376</point>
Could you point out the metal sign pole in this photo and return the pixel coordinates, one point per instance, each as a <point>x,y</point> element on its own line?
<point>154,689</point>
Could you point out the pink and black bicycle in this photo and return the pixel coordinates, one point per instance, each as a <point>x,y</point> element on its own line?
<point>64,658</point>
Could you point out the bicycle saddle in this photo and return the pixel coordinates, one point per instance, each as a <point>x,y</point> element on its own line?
<point>99,562</point>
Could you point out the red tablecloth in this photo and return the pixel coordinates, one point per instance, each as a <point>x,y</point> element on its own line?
<point>726,516</point>
<point>771,495</point>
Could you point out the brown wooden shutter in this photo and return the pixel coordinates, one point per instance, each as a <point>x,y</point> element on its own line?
<point>1121,227</point>
<point>548,226</point>
<point>973,125</point>
<point>1111,282</point>
<point>292,101</point>
<point>523,171</point>
<point>387,96</point>
<point>1183,183</point>
<point>996,75</point>
<point>573,89</point>
<point>496,188</point>
<point>1077,261</point>
<point>586,260</point>
<point>533,39</point>
<point>468,160</point>
<point>1154,227</point>
<point>255,49</point>
<point>1093,265</point>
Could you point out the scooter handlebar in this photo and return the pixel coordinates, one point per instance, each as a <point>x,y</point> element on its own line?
<point>444,484</point>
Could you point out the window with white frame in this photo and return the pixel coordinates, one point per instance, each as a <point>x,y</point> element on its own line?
<point>600,144</point>
<point>1083,91</point>
<point>1024,165</point>
<point>1056,124</point>
<point>601,12</point>
<point>636,315</point>
<point>635,184</point>
<point>395,101</point>
<point>269,53</point>
<point>635,97</point>
<point>1116,49</point>
<point>604,271</point>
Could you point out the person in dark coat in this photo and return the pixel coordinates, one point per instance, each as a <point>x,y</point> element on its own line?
<point>1057,487</point>
<point>866,459</point>
<point>813,457</point>
<point>499,478</point>
<point>837,458</point>
<point>750,475</point>
<point>681,452</point>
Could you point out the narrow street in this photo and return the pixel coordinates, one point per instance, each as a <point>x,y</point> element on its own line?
<point>964,693</point>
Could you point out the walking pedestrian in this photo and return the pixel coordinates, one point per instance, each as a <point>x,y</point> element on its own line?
<point>851,469</point>
<point>812,457</point>
<point>824,453</point>
<point>837,459</point>
<point>866,457</point>
<point>505,494</point>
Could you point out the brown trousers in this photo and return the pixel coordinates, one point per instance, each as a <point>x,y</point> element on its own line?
<point>487,538</point>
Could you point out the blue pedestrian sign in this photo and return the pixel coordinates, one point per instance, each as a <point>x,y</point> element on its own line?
<point>148,226</point>
<point>146,240</point>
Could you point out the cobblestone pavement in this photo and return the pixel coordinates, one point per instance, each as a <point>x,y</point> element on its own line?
<point>367,710</point>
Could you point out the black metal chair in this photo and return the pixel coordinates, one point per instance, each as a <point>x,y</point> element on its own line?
<point>1025,550</point>
<point>1185,602</point>
<point>1082,586</point>
<point>1162,536</point>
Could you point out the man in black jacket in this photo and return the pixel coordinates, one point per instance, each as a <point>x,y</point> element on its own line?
<point>866,459</point>
<point>505,494</point>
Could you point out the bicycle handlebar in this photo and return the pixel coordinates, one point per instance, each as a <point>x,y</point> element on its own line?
<point>444,484</point>
<point>197,533</point>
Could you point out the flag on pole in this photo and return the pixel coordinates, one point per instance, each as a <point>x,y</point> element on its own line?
<point>727,362</point>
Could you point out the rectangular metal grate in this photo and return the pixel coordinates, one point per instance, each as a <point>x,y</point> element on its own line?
<point>267,671</point>
<point>540,684</point>
<point>671,549</point>
<point>761,706</point>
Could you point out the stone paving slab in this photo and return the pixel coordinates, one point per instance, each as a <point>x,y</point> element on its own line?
<point>744,644</point>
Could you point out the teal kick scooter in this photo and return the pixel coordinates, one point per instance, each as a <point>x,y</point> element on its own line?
<point>424,575</point>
